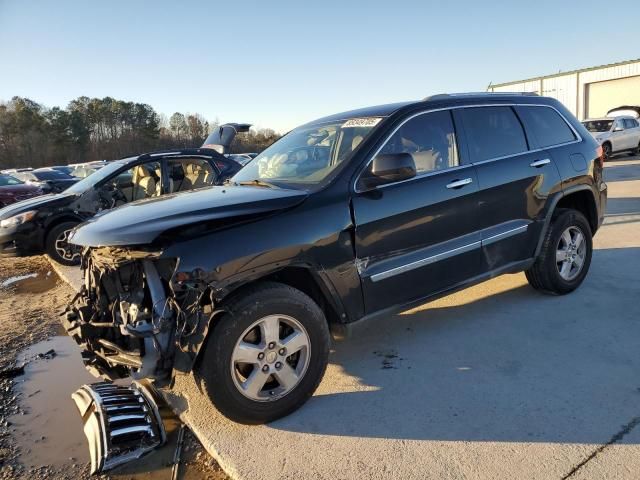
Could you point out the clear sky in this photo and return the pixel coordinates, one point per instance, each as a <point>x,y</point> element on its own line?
<point>280,63</point>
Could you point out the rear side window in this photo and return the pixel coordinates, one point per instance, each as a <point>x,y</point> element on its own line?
<point>629,123</point>
<point>546,125</point>
<point>493,132</point>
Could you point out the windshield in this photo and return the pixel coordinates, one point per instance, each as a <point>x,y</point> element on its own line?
<point>598,125</point>
<point>307,155</point>
<point>96,177</point>
<point>7,180</point>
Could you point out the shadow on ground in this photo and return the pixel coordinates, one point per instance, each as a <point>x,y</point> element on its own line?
<point>515,366</point>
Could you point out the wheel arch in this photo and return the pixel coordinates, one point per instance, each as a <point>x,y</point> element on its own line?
<point>580,198</point>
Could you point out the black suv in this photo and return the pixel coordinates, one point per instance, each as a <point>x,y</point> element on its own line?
<point>354,215</point>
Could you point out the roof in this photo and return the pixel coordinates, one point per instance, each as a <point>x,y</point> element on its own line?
<point>562,74</point>
<point>439,99</point>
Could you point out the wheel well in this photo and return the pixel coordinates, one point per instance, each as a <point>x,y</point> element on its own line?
<point>301,279</point>
<point>583,202</point>
<point>57,221</point>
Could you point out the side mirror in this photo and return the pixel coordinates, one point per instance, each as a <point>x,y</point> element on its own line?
<point>618,129</point>
<point>388,168</point>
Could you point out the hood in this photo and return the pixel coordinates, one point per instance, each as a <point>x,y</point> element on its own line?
<point>36,203</point>
<point>141,222</point>
<point>600,136</point>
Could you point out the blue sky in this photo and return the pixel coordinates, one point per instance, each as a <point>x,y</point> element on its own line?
<point>279,63</point>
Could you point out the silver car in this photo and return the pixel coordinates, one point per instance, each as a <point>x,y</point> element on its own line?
<point>615,134</point>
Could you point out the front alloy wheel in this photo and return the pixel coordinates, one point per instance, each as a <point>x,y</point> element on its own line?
<point>265,356</point>
<point>270,358</point>
<point>58,246</point>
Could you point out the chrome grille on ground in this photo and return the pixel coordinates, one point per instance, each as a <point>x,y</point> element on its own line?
<point>121,423</point>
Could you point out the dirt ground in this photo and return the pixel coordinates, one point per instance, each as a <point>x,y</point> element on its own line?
<point>31,299</point>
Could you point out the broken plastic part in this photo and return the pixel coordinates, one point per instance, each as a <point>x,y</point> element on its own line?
<point>121,423</point>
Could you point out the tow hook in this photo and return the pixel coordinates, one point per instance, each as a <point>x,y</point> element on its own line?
<point>121,423</point>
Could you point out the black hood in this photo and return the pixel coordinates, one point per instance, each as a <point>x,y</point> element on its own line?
<point>36,203</point>
<point>140,223</point>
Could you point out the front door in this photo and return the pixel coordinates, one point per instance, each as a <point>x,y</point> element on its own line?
<point>417,237</point>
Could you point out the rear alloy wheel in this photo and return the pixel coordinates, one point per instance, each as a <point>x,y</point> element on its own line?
<point>565,257</point>
<point>58,246</point>
<point>266,355</point>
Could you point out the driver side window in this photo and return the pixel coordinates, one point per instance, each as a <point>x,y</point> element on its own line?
<point>429,139</point>
<point>136,183</point>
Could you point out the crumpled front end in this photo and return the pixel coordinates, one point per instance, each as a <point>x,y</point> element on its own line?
<point>129,319</point>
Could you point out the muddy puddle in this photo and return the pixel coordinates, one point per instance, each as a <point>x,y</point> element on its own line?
<point>36,282</point>
<point>49,431</point>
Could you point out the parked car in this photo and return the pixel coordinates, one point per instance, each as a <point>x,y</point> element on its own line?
<point>83,170</point>
<point>41,225</point>
<point>13,190</point>
<point>66,169</point>
<point>351,216</point>
<point>616,134</point>
<point>49,180</point>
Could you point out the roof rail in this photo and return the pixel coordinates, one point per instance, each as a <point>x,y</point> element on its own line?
<point>441,96</point>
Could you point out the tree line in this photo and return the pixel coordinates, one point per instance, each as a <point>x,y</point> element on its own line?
<point>88,129</point>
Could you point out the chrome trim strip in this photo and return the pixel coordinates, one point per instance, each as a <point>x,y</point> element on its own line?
<point>508,233</point>
<point>457,107</point>
<point>423,262</point>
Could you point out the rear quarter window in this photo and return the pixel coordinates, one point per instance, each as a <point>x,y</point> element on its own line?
<point>546,126</point>
<point>493,132</point>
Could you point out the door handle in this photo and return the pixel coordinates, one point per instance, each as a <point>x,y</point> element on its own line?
<point>539,163</point>
<point>459,183</point>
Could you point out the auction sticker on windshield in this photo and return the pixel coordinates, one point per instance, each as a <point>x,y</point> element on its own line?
<point>362,122</point>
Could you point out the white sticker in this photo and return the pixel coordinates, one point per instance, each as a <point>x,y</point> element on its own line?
<point>362,122</point>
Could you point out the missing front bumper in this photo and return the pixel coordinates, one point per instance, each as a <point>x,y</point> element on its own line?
<point>121,423</point>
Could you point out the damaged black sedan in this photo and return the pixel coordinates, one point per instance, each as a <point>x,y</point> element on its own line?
<point>347,217</point>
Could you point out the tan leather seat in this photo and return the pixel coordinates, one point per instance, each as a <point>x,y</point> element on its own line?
<point>144,183</point>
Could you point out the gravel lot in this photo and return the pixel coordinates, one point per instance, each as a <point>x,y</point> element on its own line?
<point>497,381</point>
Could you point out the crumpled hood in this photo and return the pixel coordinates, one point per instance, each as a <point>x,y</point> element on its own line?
<point>600,136</point>
<point>141,222</point>
<point>36,203</point>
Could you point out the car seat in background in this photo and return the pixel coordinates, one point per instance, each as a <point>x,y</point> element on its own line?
<point>144,183</point>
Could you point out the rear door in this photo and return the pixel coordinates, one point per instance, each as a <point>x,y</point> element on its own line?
<point>417,237</point>
<point>514,179</point>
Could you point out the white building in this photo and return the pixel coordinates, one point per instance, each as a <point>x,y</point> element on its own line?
<point>588,92</point>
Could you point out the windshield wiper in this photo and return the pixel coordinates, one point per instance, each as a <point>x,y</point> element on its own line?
<point>257,183</point>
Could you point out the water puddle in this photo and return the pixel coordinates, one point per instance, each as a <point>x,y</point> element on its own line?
<point>37,282</point>
<point>49,432</point>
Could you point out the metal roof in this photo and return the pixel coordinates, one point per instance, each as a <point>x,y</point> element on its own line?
<point>561,74</point>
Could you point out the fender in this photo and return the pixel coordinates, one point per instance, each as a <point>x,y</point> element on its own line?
<point>552,209</point>
<point>188,356</point>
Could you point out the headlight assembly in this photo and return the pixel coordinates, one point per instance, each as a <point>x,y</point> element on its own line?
<point>18,219</point>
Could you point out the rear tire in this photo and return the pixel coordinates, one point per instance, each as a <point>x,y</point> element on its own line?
<point>57,246</point>
<point>253,375</point>
<point>565,257</point>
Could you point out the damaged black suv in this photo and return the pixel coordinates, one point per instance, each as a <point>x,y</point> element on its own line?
<point>354,215</point>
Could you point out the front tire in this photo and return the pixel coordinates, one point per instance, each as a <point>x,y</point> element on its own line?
<point>565,257</point>
<point>57,246</point>
<point>606,151</point>
<point>266,355</point>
